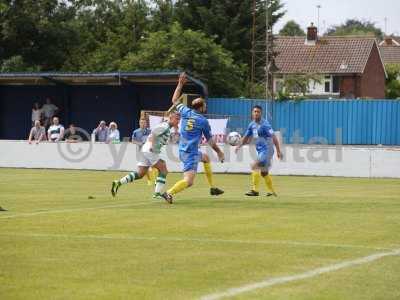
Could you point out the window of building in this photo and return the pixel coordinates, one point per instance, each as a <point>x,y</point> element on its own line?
<point>278,85</point>
<point>327,85</point>
<point>336,84</point>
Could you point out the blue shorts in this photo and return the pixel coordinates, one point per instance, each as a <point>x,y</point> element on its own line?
<point>190,160</point>
<point>264,159</point>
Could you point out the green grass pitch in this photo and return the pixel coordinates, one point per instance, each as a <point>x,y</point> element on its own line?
<point>56,242</point>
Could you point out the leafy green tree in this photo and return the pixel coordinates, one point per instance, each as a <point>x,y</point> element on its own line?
<point>16,64</point>
<point>356,27</point>
<point>292,28</point>
<point>229,22</point>
<point>162,14</point>
<point>192,51</point>
<point>107,33</point>
<point>296,86</point>
<point>39,31</point>
<point>71,35</point>
<point>392,90</point>
<point>104,35</point>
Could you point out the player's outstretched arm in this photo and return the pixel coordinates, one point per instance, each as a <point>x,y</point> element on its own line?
<point>217,149</point>
<point>245,140</point>
<point>208,135</point>
<point>277,146</point>
<point>178,90</point>
<point>154,135</point>
<point>151,141</point>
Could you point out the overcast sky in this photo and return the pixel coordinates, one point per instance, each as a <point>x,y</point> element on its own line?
<point>333,12</point>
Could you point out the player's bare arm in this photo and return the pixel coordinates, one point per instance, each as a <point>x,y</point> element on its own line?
<point>244,141</point>
<point>178,90</point>
<point>217,149</point>
<point>151,141</point>
<point>277,146</point>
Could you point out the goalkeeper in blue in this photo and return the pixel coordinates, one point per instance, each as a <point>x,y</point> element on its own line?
<point>263,136</point>
<point>150,151</point>
<point>192,128</point>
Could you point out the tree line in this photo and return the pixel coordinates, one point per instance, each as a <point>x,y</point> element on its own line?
<point>211,39</point>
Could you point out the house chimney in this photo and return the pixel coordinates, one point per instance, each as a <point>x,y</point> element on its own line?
<point>388,41</point>
<point>312,34</point>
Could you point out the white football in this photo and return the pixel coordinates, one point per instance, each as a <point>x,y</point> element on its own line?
<point>233,138</point>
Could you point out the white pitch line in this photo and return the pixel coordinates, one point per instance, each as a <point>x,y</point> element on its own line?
<point>57,211</point>
<point>200,240</point>
<point>308,274</point>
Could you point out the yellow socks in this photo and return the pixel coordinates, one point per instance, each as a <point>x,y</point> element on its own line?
<point>255,180</point>
<point>154,174</point>
<point>178,187</point>
<point>209,175</point>
<point>182,184</point>
<point>268,183</point>
<point>151,176</point>
<point>148,176</point>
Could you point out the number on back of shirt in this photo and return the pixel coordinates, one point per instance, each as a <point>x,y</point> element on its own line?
<point>189,125</point>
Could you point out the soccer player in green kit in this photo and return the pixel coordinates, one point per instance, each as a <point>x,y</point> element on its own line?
<point>151,157</point>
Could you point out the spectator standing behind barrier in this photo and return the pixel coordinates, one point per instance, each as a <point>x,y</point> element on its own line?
<point>139,136</point>
<point>37,133</point>
<point>55,132</point>
<point>72,135</point>
<point>49,111</point>
<point>113,133</point>
<point>101,132</point>
<point>37,113</point>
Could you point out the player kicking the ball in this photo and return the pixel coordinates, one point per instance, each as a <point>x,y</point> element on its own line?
<point>150,157</point>
<point>193,126</point>
<point>264,138</point>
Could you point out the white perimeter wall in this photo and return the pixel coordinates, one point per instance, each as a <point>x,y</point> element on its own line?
<point>345,161</point>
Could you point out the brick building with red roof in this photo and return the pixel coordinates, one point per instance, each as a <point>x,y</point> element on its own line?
<point>390,50</point>
<point>349,66</point>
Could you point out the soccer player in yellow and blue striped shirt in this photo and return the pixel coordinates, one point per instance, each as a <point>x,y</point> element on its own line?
<point>192,128</point>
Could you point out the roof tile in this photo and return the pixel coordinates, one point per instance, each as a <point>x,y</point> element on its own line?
<point>390,54</point>
<point>330,55</point>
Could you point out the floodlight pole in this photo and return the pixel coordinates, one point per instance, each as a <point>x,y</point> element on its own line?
<point>386,19</point>
<point>253,50</point>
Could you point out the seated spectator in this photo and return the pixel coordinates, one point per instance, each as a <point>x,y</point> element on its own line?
<point>55,132</point>
<point>113,133</point>
<point>140,135</point>
<point>72,135</point>
<point>101,132</point>
<point>49,111</point>
<point>37,113</point>
<point>37,133</point>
